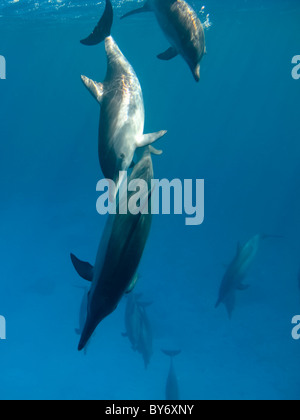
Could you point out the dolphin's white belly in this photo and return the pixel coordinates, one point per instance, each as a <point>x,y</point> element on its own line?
<point>122,122</point>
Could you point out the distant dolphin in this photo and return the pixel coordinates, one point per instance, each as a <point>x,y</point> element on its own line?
<point>122,115</point>
<point>118,257</point>
<point>236,273</point>
<point>138,327</point>
<point>182,28</point>
<point>133,321</point>
<point>145,346</point>
<point>172,388</point>
<point>238,270</point>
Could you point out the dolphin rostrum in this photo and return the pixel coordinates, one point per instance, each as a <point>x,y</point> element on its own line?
<point>183,29</point>
<point>122,118</point>
<point>119,255</point>
<point>172,388</point>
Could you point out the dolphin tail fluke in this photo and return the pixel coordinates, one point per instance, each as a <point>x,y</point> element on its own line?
<point>171,353</point>
<point>144,9</point>
<point>103,29</point>
<point>84,269</point>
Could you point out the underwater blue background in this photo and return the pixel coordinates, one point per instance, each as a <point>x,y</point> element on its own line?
<point>238,129</point>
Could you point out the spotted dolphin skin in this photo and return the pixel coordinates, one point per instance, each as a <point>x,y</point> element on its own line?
<point>118,257</point>
<point>122,118</point>
<point>183,29</point>
<point>172,388</point>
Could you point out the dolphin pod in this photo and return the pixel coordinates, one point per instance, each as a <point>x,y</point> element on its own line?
<point>122,117</point>
<point>182,28</point>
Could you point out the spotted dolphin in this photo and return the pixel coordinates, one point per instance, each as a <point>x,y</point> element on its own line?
<point>119,255</point>
<point>133,320</point>
<point>122,117</point>
<point>237,271</point>
<point>183,29</point>
<point>145,346</point>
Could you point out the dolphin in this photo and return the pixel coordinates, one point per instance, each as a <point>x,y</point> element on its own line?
<point>118,257</point>
<point>237,271</point>
<point>145,346</point>
<point>172,388</point>
<point>133,321</point>
<point>122,117</point>
<point>138,327</point>
<point>183,29</point>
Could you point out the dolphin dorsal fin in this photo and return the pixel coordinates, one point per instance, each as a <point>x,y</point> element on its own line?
<point>96,89</point>
<point>84,269</point>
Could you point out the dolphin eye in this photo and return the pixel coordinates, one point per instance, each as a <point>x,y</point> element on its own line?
<point>122,156</point>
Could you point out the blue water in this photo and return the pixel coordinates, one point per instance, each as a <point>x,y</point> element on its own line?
<point>238,129</point>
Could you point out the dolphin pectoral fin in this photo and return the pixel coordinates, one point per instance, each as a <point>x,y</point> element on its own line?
<point>243,287</point>
<point>154,151</point>
<point>103,29</point>
<point>168,55</point>
<point>84,269</point>
<point>146,8</point>
<point>96,89</point>
<point>149,139</point>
